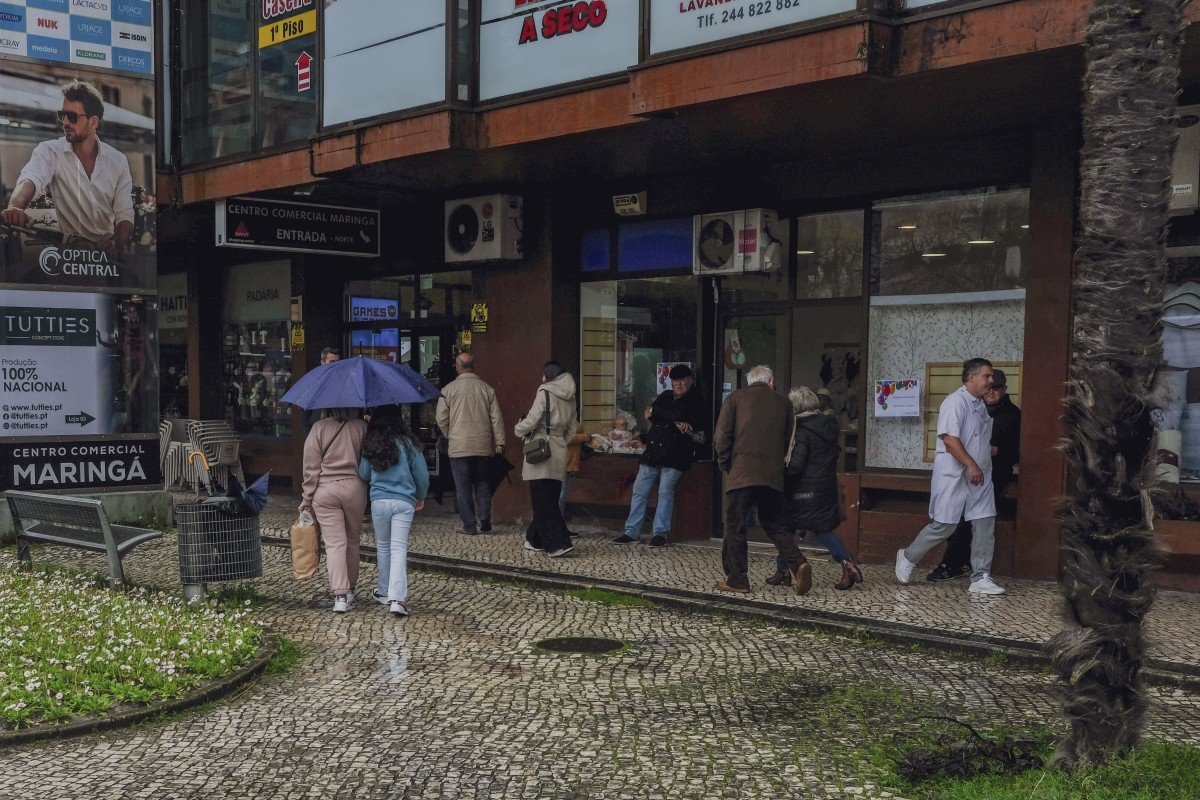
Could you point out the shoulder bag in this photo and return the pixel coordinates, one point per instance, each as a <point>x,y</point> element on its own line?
<point>537,445</point>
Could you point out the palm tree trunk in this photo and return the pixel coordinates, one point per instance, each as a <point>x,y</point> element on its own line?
<point>1131,78</point>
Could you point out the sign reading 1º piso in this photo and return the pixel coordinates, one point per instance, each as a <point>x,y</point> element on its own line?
<point>297,227</point>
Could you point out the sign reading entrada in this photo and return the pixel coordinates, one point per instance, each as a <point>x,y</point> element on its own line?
<point>297,227</point>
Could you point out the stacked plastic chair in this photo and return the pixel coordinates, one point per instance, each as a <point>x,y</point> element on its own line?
<point>220,446</point>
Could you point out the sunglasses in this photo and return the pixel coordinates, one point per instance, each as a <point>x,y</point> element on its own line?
<point>71,116</point>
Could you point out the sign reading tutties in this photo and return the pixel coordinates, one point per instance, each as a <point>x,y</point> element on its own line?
<point>297,227</point>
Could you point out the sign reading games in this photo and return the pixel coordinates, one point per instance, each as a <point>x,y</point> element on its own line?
<point>676,24</point>
<point>112,34</point>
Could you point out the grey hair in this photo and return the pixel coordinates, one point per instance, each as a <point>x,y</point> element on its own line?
<point>760,374</point>
<point>803,399</point>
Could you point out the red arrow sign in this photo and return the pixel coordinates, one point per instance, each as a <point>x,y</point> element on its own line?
<point>303,80</point>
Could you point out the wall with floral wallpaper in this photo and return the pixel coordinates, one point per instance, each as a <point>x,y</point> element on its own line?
<point>905,337</point>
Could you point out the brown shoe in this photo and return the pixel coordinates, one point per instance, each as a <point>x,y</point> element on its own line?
<point>781,577</point>
<point>803,580</point>
<point>851,575</point>
<point>723,586</point>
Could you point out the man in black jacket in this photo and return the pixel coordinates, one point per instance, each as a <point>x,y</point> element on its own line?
<point>678,425</point>
<point>1006,444</point>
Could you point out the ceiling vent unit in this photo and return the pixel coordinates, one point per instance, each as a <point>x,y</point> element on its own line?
<point>1185,170</point>
<point>734,242</point>
<point>484,228</point>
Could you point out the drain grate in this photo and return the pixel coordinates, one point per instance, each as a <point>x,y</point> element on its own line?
<point>579,644</point>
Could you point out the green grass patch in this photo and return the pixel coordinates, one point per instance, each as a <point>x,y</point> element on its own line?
<point>285,657</point>
<point>1154,771</point>
<point>71,646</point>
<point>607,598</point>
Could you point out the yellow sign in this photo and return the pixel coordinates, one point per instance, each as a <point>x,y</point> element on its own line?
<point>465,338</point>
<point>479,318</point>
<point>290,28</point>
<point>297,335</point>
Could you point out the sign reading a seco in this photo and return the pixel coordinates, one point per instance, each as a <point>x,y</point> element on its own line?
<point>297,227</point>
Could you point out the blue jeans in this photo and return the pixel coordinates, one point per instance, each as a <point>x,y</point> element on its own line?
<point>666,478</point>
<point>471,494</point>
<point>393,519</point>
<point>562,496</point>
<point>832,543</point>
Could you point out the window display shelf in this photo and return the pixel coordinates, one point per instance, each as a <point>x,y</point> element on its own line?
<point>257,372</point>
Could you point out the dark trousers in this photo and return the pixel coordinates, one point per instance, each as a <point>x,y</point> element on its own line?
<point>770,516</point>
<point>471,495</point>
<point>547,530</point>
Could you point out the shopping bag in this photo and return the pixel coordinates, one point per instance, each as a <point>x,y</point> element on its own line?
<point>304,547</point>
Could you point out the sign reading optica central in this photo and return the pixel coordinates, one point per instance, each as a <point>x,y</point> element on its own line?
<point>297,227</point>
<point>676,24</point>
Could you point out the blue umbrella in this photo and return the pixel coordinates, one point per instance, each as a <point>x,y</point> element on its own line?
<point>360,382</point>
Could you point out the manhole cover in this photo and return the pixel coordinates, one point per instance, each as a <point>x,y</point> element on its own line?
<point>580,644</point>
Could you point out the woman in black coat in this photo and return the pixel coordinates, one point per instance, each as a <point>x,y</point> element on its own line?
<point>810,491</point>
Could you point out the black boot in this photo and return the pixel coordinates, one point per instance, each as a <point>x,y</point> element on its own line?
<point>851,574</point>
<point>781,578</point>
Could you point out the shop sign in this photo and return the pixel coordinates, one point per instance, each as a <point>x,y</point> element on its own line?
<point>255,224</point>
<point>109,34</point>
<point>379,37</point>
<point>67,362</point>
<point>372,309</point>
<point>172,301</point>
<point>258,292</point>
<point>111,462</point>
<point>533,44</point>
<point>676,24</point>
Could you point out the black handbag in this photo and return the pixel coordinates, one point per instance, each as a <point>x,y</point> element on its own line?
<point>537,449</point>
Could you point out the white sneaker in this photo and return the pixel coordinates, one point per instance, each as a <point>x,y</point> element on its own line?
<point>904,567</point>
<point>985,585</point>
<point>379,598</point>
<point>340,604</point>
<point>398,609</point>
<point>562,552</point>
<point>349,597</point>
<point>531,548</point>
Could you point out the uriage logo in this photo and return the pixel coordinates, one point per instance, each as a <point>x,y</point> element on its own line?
<point>277,8</point>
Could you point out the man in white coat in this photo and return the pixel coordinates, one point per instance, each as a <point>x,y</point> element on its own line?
<point>962,480</point>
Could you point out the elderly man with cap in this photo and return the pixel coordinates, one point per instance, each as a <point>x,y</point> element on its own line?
<point>678,425</point>
<point>1006,443</point>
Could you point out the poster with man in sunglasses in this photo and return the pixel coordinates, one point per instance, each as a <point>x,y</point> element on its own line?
<point>72,216</point>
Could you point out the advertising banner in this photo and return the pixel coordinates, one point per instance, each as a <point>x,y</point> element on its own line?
<point>676,24</point>
<point>373,309</point>
<point>78,208</point>
<point>899,398</point>
<point>75,363</point>
<point>109,34</point>
<point>533,44</point>
<point>384,345</point>
<point>125,462</point>
<point>376,38</point>
<point>297,227</point>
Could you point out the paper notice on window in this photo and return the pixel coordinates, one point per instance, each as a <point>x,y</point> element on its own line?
<point>899,398</point>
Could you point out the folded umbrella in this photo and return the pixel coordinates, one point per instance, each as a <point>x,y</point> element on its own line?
<point>496,469</point>
<point>360,382</point>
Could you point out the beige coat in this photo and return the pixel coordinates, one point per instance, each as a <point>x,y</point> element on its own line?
<point>469,416</point>
<point>559,394</point>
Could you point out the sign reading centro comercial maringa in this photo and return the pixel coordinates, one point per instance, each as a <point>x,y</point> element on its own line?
<point>257,224</point>
<point>126,462</point>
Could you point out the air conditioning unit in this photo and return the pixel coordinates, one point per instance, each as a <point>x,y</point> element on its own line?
<point>484,228</point>
<point>733,242</point>
<point>1185,170</point>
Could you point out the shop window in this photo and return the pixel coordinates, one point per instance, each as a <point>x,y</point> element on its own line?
<point>173,346</point>
<point>947,284</point>
<point>629,330</point>
<point>829,255</point>
<point>256,348</point>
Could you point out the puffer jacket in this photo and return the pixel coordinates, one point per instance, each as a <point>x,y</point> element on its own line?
<point>559,396</point>
<point>810,487</point>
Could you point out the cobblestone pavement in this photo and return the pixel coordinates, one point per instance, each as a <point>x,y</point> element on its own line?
<point>456,701</point>
<point>1028,614</point>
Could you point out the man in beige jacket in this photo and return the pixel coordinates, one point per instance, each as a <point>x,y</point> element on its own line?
<point>469,417</point>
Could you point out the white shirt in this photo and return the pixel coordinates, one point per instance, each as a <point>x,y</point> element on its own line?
<point>952,496</point>
<point>89,207</point>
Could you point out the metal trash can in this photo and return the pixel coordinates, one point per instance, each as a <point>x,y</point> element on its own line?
<point>215,545</point>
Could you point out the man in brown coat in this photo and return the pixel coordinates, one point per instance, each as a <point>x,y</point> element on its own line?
<point>751,440</point>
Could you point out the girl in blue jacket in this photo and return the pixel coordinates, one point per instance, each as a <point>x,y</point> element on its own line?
<point>394,464</point>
